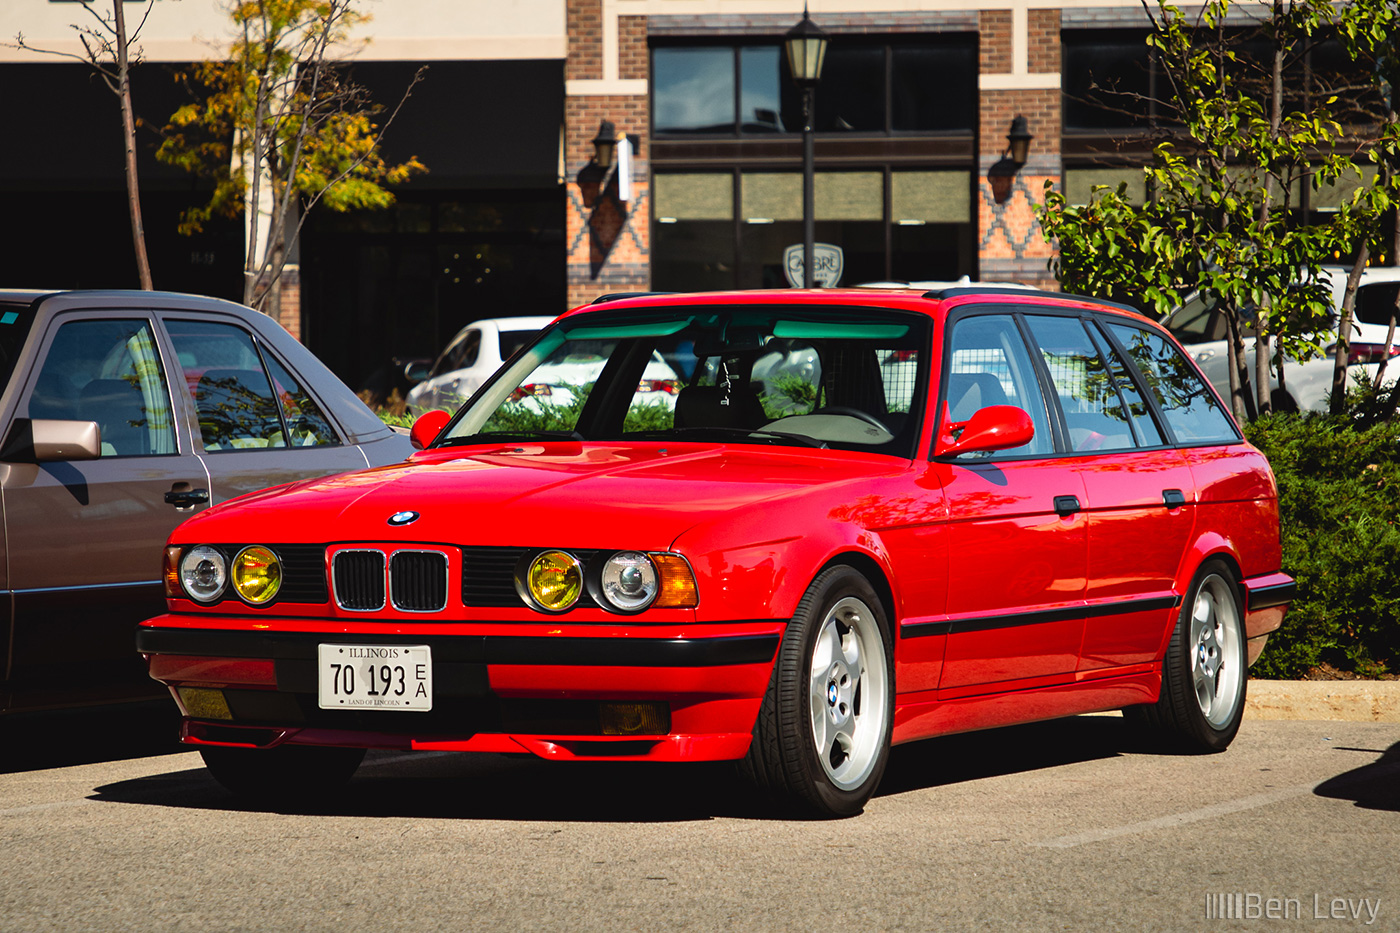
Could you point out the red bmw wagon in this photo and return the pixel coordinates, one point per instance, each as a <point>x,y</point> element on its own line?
<point>867,517</point>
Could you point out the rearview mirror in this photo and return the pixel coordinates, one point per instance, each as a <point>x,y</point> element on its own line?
<point>996,427</point>
<point>427,427</point>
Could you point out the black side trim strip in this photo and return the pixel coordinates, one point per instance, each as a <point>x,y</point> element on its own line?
<point>494,649</point>
<point>988,623</point>
<point>1267,597</point>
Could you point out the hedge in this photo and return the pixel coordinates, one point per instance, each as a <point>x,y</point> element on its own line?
<point>1339,505</point>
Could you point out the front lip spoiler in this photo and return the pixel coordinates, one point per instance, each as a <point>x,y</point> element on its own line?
<point>482,649</point>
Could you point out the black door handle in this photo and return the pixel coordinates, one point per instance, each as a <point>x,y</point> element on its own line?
<point>1173,498</point>
<point>186,498</point>
<point>1066,506</point>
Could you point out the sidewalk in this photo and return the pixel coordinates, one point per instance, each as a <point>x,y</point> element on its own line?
<point>1337,700</point>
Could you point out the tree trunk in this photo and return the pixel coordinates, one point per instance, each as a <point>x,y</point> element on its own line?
<point>1339,366</point>
<point>1262,384</point>
<point>1239,368</point>
<point>133,187</point>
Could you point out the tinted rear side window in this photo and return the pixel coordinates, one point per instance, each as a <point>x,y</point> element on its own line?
<point>1193,414</point>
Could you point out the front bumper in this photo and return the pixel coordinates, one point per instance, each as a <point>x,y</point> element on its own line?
<point>497,688</point>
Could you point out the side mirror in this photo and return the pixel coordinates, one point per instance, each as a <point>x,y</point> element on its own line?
<point>427,427</point>
<point>997,427</point>
<point>43,441</point>
<point>415,371</point>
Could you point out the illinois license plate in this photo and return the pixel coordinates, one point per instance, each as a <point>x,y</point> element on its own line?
<point>387,677</point>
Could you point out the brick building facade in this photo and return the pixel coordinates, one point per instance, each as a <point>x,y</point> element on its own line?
<point>1018,73</point>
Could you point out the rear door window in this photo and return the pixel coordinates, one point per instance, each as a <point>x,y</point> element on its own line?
<point>1095,414</point>
<point>241,406</point>
<point>1192,412</point>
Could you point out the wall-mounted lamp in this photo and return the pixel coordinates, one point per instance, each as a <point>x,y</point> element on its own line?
<point>605,144</point>
<point>1019,140</point>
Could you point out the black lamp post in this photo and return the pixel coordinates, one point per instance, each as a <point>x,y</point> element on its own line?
<point>806,50</point>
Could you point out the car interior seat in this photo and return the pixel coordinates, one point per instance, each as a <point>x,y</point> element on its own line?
<point>968,393</point>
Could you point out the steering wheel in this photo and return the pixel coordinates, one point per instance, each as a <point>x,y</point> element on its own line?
<point>865,416</point>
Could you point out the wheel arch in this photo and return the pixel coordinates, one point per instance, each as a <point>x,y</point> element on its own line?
<point>874,574</point>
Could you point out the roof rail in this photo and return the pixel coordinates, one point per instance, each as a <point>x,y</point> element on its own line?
<point>1024,292</point>
<point>615,296</point>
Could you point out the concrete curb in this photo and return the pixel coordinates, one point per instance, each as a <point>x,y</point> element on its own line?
<point>1334,700</point>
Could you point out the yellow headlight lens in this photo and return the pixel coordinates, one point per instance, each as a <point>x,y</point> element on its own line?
<point>554,581</point>
<point>257,574</point>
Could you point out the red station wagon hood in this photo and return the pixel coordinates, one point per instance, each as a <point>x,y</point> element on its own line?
<point>566,495</point>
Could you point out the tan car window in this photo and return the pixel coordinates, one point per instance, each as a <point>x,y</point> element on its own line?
<point>108,371</point>
<point>308,425</point>
<point>231,390</point>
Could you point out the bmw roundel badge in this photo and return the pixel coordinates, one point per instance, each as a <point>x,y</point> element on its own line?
<point>403,518</point>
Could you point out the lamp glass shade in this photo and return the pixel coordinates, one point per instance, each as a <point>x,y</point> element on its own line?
<point>605,144</point>
<point>806,51</point>
<point>1020,140</point>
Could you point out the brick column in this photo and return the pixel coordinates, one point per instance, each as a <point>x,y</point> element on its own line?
<point>608,239</point>
<point>1010,245</point>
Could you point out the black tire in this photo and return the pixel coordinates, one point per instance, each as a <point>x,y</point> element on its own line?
<point>827,757</point>
<point>286,774</point>
<point>1204,673</point>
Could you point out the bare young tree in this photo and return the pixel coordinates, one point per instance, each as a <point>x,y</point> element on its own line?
<point>108,50</point>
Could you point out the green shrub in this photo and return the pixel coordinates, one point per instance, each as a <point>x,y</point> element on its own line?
<point>1339,504</point>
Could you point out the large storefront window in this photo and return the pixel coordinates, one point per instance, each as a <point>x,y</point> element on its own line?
<point>726,160</point>
<point>868,86</point>
<point>701,243</point>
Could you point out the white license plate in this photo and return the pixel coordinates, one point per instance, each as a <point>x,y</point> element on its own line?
<point>387,677</point>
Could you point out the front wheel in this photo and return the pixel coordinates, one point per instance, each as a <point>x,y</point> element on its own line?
<point>822,737</point>
<point>286,774</point>
<point>1204,673</point>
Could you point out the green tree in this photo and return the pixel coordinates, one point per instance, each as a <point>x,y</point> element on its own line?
<point>1219,218</point>
<point>280,128</point>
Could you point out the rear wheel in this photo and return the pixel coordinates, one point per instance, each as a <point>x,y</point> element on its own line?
<point>1204,673</point>
<point>822,737</point>
<point>286,774</point>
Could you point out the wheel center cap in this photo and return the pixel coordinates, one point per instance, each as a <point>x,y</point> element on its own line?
<point>832,694</point>
<point>1201,651</point>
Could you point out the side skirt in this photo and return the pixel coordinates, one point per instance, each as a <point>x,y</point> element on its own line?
<point>922,715</point>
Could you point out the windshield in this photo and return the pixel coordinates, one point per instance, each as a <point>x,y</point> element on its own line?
<point>800,375</point>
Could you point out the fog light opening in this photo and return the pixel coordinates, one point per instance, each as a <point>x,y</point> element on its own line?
<point>634,718</point>
<point>204,703</point>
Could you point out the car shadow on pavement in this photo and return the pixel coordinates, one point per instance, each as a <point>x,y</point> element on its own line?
<point>64,738</point>
<point>1374,786</point>
<point>496,787</point>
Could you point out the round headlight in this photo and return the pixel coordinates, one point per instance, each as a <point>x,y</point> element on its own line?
<point>203,573</point>
<point>257,574</point>
<point>629,581</point>
<point>554,581</point>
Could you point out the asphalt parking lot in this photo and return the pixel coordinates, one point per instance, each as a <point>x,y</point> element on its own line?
<point>1071,825</point>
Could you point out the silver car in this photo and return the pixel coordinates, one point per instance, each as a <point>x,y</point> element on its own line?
<point>123,414</point>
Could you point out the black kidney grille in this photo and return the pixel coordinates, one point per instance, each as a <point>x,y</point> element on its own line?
<point>418,580</point>
<point>359,580</point>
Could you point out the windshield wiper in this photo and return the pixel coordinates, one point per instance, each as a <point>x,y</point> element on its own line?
<point>667,434</point>
<point>507,437</point>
